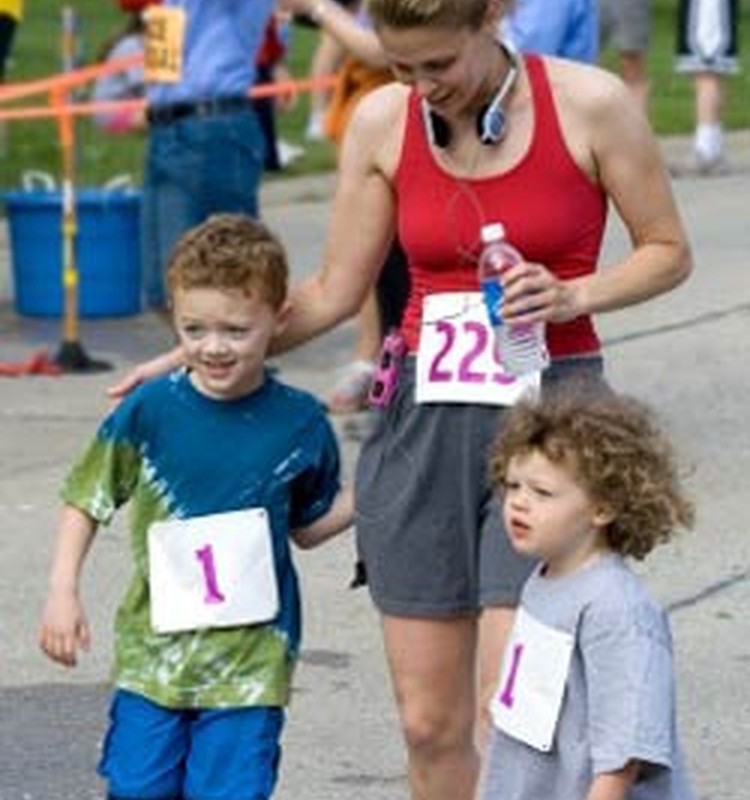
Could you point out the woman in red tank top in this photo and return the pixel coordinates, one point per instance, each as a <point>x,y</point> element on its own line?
<point>565,140</point>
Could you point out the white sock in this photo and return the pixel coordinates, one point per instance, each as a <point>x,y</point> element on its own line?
<point>708,141</point>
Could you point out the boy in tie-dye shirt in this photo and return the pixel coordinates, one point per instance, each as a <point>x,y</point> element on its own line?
<point>221,464</point>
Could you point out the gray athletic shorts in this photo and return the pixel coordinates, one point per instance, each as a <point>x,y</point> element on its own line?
<point>625,24</point>
<point>707,36</point>
<point>429,531</point>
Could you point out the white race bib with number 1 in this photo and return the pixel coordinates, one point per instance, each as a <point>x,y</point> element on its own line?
<point>456,361</point>
<point>213,571</point>
<point>528,699</point>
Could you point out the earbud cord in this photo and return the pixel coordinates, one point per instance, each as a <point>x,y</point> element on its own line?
<point>495,106</point>
<point>463,186</point>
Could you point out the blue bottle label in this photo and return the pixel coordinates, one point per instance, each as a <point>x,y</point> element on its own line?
<point>492,291</point>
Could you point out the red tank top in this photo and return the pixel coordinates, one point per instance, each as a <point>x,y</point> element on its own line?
<point>552,212</point>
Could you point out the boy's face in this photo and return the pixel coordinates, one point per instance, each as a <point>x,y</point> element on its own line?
<point>550,516</point>
<point>225,335</point>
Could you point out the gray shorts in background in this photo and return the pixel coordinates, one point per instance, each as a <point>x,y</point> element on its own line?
<point>707,36</point>
<point>429,530</point>
<point>625,25</point>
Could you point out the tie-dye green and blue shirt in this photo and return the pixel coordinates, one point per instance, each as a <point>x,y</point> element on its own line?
<point>175,453</point>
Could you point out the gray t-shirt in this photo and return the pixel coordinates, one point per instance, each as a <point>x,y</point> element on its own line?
<point>619,698</point>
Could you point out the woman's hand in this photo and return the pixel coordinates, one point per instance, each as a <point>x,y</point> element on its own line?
<point>531,293</point>
<point>145,371</point>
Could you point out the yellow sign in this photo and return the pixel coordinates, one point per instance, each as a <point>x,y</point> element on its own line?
<point>165,36</point>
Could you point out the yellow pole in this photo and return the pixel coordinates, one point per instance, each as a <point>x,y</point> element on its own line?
<point>71,355</point>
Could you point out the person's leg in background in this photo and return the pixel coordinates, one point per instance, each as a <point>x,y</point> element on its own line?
<point>707,50</point>
<point>8,25</point>
<point>708,140</point>
<point>625,25</point>
<point>265,110</point>
<point>195,167</point>
<point>352,383</point>
<point>634,71</point>
<point>327,58</point>
<point>381,313</point>
<point>167,211</point>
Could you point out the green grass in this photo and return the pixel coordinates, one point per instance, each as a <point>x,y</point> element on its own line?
<point>34,145</point>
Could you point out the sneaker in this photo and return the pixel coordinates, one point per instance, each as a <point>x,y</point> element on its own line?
<point>352,386</point>
<point>288,152</point>
<point>701,167</point>
<point>315,131</point>
<point>713,166</point>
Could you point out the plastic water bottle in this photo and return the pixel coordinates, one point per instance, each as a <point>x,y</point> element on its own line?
<point>522,348</point>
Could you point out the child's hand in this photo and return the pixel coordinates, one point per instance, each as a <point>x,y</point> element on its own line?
<point>64,629</point>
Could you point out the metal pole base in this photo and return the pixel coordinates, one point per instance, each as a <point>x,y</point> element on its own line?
<point>71,357</point>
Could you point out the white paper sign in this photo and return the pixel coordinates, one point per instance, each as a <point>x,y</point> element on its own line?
<point>212,572</point>
<point>457,359</point>
<point>527,702</point>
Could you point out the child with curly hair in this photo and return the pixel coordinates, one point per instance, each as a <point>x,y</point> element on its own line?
<point>585,705</point>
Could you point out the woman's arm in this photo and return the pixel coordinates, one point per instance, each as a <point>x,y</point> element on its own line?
<point>610,138</point>
<point>361,225</point>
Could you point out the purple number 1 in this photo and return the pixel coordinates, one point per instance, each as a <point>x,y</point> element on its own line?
<point>506,696</point>
<point>206,556</point>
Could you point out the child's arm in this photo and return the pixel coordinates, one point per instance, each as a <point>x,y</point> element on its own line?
<point>64,628</point>
<point>337,519</point>
<point>613,785</point>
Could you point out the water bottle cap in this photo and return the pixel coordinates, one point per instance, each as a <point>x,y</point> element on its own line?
<point>492,232</point>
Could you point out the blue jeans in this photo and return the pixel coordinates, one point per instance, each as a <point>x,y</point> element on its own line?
<point>156,753</point>
<point>195,167</point>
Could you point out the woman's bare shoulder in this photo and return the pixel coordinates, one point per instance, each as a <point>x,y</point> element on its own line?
<point>381,108</point>
<point>377,124</point>
<point>586,88</point>
<point>597,112</point>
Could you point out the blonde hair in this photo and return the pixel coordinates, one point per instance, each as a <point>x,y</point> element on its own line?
<point>428,13</point>
<point>231,251</point>
<point>615,451</point>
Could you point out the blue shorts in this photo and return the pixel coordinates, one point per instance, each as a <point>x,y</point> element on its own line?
<point>156,753</point>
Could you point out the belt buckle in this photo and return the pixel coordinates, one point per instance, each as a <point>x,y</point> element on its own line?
<point>203,108</point>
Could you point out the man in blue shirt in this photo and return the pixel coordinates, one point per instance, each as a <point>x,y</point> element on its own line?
<point>205,149</point>
<point>566,28</point>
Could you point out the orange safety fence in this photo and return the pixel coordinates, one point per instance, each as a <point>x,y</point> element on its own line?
<point>59,86</point>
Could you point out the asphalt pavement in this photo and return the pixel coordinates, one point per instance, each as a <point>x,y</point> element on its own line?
<point>686,353</point>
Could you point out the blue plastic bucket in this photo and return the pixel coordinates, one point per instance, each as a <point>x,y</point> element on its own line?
<point>108,252</point>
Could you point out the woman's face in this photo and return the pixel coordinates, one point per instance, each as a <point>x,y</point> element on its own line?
<point>446,66</point>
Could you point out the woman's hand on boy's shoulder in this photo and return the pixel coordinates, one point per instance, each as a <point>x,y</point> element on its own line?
<point>145,371</point>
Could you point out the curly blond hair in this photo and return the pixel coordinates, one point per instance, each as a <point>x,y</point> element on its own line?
<point>231,251</point>
<point>617,453</point>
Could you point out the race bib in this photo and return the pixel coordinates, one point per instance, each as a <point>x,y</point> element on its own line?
<point>163,44</point>
<point>457,360</point>
<point>214,571</point>
<point>526,705</point>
